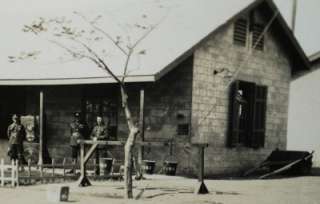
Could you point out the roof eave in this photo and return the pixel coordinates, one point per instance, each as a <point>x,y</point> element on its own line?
<point>74,81</point>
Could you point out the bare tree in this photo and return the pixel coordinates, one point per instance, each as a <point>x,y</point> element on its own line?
<point>78,43</point>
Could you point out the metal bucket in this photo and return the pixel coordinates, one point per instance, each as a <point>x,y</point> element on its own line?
<point>170,168</point>
<point>149,166</point>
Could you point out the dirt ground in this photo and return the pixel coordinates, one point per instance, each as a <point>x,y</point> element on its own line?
<point>165,190</point>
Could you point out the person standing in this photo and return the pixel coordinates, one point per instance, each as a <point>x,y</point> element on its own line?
<point>16,134</point>
<point>99,132</point>
<point>77,130</point>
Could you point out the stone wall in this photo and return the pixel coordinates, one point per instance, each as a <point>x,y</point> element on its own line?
<point>210,99</point>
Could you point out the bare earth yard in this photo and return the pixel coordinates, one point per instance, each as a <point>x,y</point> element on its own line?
<point>166,190</point>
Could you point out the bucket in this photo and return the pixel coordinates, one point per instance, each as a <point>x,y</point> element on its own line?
<point>149,166</point>
<point>170,168</point>
<point>105,165</point>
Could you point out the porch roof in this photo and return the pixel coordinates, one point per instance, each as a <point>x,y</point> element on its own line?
<point>186,24</point>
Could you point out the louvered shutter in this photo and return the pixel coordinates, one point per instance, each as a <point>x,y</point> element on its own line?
<point>257,37</point>
<point>259,117</point>
<point>233,134</point>
<point>240,32</point>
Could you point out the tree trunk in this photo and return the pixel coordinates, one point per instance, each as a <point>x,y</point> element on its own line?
<point>128,162</point>
<point>133,132</point>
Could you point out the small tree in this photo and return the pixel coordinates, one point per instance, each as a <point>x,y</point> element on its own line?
<point>78,42</point>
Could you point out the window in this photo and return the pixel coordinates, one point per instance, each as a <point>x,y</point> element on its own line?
<point>240,32</point>
<point>96,102</point>
<point>183,123</point>
<point>248,33</point>
<point>247,114</point>
<point>183,129</point>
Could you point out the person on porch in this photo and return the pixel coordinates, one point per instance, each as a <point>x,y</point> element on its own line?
<point>77,129</point>
<point>99,132</point>
<point>16,135</point>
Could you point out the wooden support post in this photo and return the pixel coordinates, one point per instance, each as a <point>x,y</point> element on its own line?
<point>201,159</point>
<point>2,172</point>
<point>16,175</point>
<point>294,15</point>
<point>41,173</point>
<point>12,172</point>
<point>83,180</point>
<point>53,163</point>
<point>141,127</point>
<point>41,120</point>
<point>29,171</point>
<point>64,168</point>
<point>202,188</point>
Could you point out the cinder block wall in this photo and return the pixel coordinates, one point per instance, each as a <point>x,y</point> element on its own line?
<point>210,99</point>
<point>164,100</point>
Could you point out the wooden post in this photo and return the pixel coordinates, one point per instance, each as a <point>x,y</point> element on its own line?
<point>12,172</point>
<point>202,188</point>
<point>2,172</point>
<point>64,168</point>
<point>294,15</point>
<point>53,163</point>
<point>201,159</point>
<point>16,175</point>
<point>141,127</point>
<point>83,180</point>
<point>29,171</point>
<point>40,161</point>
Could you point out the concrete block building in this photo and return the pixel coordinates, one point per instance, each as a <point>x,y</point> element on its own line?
<point>219,76</point>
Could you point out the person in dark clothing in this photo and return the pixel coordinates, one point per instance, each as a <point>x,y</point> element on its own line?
<point>77,131</point>
<point>16,134</point>
<point>99,132</point>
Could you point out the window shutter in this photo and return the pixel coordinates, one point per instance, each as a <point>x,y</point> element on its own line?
<point>233,134</point>
<point>240,32</point>
<point>257,30</point>
<point>259,117</point>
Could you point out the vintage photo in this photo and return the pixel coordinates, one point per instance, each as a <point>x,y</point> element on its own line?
<point>160,101</point>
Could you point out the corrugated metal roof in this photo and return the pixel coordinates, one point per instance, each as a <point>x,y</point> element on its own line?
<point>184,23</point>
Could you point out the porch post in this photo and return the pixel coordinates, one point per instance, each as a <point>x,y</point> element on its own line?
<point>40,162</point>
<point>141,118</point>
<point>141,127</point>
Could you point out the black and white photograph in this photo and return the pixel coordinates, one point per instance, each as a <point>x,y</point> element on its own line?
<point>160,101</point>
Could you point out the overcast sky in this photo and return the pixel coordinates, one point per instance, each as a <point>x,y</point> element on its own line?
<point>307,29</point>
<point>307,23</point>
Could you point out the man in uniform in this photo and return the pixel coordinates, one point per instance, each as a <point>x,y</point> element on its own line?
<point>99,132</point>
<point>16,134</point>
<point>77,130</point>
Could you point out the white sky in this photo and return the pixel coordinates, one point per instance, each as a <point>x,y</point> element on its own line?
<point>307,22</point>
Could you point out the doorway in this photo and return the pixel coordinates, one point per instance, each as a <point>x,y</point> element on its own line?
<point>12,101</point>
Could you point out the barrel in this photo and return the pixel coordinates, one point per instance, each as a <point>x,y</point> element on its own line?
<point>105,165</point>
<point>170,168</point>
<point>149,166</point>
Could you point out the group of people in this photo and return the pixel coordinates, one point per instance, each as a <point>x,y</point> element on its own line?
<point>78,131</point>
<point>16,134</point>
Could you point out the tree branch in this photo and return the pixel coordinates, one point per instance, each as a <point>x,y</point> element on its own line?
<point>126,65</point>
<point>115,42</point>
<point>101,61</point>
<point>76,54</point>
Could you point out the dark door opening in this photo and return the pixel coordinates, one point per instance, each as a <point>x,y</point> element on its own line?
<point>12,101</point>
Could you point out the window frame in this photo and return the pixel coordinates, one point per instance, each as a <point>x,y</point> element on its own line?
<point>252,135</point>
<point>251,25</point>
<point>97,97</point>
